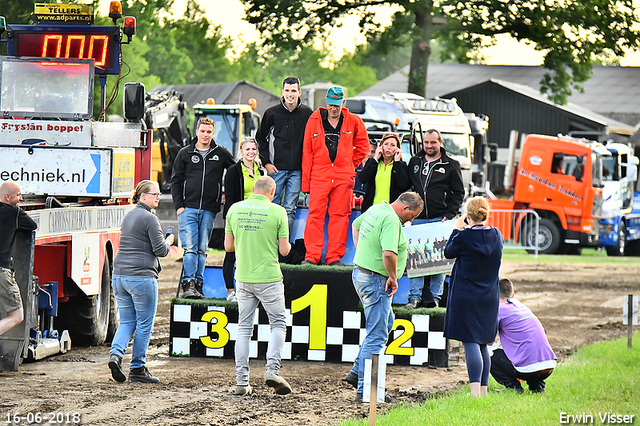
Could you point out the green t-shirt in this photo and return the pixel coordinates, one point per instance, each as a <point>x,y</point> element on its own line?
<point>250,181</point>
<point>256,224</point>
<point>380,230</point>
<point>383,183</point>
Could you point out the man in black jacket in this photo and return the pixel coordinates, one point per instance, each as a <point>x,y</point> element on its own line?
<point>438,180</point>
<point>196,188</point>
<point>13,219</point>
<point>280,140</point>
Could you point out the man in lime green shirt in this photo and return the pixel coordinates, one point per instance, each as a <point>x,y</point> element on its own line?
<point>257,230</point>
<point>381,256</point>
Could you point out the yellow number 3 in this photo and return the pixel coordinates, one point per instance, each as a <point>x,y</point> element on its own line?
<point>218,327</point>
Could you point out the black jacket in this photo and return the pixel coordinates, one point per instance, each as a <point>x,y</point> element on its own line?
<point>443,191</point>
<point>234,186</point>
<point>281,134</point>
<point>196,183</point>
<point>400,181</point>
<point>13,219</point>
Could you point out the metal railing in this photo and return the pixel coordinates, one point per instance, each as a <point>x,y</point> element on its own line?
<point>519,228</point>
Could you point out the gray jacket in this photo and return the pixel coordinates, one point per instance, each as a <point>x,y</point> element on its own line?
<point>141,243</point>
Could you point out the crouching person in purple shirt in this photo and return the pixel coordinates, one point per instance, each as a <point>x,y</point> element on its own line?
<point>525,354</point>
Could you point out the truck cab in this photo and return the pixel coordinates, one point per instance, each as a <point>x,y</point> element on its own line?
<point>561,178</point>
<point>232,122</point>
<point>415,114</point>
<point>619,224</point>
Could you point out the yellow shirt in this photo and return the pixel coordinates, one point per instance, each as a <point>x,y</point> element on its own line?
<point>383,183</point>
<point>248,180</point>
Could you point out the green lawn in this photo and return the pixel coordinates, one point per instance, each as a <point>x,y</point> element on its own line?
<point>589,255</point>
<point>598,379</point>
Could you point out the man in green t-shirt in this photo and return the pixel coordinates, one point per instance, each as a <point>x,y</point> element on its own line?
<point>381,256</point>
<point>257,230</point>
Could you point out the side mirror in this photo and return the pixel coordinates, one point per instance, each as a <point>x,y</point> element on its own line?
<point>133,99</point>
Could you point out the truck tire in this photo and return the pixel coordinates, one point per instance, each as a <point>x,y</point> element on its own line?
<point>633,248</point>
<point>114,315</point>
<point>621,247</point>
<point>547,239</point>
<point>87,317</point>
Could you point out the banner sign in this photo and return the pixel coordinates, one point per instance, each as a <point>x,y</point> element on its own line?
<point>425,248</point>
<point>70,172</point>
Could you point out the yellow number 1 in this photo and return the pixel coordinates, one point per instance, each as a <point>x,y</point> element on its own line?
<point>316,300</point>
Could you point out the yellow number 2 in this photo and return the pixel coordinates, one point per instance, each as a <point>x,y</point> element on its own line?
<point>394,347</point>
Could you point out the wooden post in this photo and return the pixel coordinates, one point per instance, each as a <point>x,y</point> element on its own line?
<point>373,395</point>
<point>629,321</point>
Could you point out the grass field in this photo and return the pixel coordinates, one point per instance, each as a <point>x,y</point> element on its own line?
<point>597,381</point>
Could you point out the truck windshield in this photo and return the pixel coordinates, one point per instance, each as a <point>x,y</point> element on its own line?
<point>456,144</point>
<point>226,128</point>
<point>610,168</point>
<point>45,89</point>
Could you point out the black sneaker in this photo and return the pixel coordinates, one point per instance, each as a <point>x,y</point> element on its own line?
<point>352,379</point>
<point>337,263</point>
<point>358,399</point>
<point>141,375</point>
<point>189,289</point>
<point>307,262</point>
<point>115,364</point>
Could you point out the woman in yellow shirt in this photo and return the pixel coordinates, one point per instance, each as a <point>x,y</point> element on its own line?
<point>238,185</point>
<point>385,174</point>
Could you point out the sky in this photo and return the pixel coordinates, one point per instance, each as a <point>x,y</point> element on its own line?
<point>229,13</point>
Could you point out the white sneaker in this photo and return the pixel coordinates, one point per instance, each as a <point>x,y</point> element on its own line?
<point>231,297</point>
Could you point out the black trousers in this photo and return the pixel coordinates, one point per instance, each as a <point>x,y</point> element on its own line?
<point>227,268</point>
<point>505,373</point>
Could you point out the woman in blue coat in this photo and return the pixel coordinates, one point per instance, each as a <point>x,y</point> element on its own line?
<point>474,295</point>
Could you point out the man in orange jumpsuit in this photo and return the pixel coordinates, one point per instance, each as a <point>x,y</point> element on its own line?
<point>335,143</point>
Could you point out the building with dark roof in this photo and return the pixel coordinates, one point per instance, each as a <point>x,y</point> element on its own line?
<point>238,92</point>
<point>510,97</point>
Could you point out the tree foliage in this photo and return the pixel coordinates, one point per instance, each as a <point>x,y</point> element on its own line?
<point>572,34</point>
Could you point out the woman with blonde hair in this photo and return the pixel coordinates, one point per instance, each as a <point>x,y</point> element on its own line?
<point>474,293</point>
<point>238,185</point>
<point>385,174</point>
<point>135,282</point>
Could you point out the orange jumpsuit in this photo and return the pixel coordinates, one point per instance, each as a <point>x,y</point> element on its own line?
<point>330,183</point>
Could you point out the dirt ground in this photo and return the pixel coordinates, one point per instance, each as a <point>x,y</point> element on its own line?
<point>578,304</point>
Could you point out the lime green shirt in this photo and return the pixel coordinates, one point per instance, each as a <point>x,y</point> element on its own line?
<point>250,181</point>
<point>380,230</point>
<point>383,183</point>
<point>256,224</point>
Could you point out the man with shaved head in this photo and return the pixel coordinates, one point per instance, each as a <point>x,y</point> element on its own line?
<point>13,219</point>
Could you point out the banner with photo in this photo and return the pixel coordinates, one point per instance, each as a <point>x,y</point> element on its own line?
<point>425,248</point>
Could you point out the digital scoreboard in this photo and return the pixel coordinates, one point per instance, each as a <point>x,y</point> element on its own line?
<point>102,44</point>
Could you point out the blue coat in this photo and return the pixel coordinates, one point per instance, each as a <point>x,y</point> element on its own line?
<point>474,295</point>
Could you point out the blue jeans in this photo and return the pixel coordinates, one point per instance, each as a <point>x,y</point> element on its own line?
<point>437,280</point>
<point>137,299</point>
<point>271,296</point>
<point>195,226</point>
<point>288,181</point>
<point>378,317</point>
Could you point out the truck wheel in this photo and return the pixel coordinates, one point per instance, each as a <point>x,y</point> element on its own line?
<point>87,317</point>
<point>547,239</point>
<point>620,248</point>
<point>114,315</point>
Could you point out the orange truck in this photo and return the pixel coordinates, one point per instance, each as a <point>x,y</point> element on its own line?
<point>561,179</point>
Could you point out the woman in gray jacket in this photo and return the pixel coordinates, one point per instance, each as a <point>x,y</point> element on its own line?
<point>135,282</point>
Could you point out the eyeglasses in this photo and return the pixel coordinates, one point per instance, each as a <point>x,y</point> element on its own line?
<point>155,194</point>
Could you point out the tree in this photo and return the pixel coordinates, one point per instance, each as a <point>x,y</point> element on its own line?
<point>572,34</point>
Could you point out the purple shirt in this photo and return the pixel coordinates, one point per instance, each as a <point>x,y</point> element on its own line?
<point>523,338</point>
